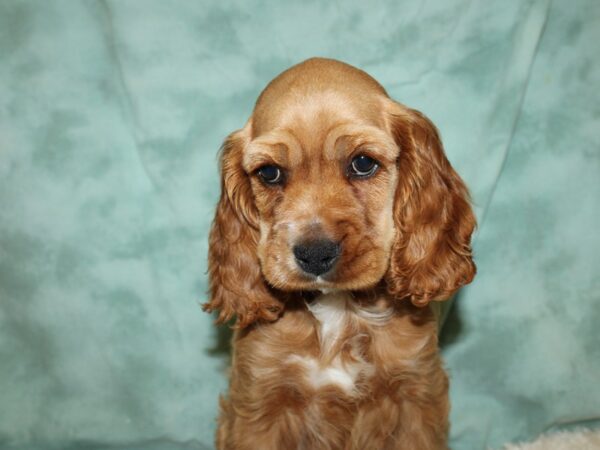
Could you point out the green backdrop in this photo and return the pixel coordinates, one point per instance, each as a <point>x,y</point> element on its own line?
<point>111,115</point>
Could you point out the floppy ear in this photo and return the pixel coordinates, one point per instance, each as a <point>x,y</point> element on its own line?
<point>431,256</point>
<point>237,287</point>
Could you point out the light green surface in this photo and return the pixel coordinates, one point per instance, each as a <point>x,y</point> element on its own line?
<point>111,114</point>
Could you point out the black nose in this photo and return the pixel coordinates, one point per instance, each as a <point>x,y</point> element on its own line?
<point>317,257</point>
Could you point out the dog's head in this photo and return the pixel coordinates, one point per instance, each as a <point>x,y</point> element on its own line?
<point>331,185</point>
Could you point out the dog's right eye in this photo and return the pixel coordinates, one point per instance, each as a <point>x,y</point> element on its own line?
<point>270,174</point>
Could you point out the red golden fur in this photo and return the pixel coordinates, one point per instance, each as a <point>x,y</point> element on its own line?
<point>337,350</point>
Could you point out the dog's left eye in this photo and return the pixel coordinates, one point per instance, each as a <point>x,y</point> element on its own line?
<point>363,166</point>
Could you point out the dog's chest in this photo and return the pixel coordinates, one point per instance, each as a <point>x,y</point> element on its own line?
<point>341,362</point>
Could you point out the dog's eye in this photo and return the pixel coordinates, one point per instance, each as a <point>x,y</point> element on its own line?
<point>270,174</point>
<point>363,166</point>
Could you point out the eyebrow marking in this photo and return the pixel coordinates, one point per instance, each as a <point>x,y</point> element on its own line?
<point>280,146</point>
<point>380,143</point>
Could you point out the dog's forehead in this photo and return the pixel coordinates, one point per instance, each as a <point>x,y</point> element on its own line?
<point>317,95</point>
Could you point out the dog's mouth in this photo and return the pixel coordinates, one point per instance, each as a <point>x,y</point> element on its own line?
<point>322,261</point>
<point>327,272</point>
<point>302,280</point>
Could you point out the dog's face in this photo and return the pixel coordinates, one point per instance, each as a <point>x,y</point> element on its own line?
<point>332,185</point>
<point>323,177</point>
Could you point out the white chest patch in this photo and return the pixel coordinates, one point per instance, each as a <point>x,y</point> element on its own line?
<point>333,311</point>
<point>337,373</point>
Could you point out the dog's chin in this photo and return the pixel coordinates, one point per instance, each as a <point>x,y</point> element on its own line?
<point>295,281</point>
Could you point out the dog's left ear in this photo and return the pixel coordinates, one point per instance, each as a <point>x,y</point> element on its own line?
<point>431,257</point>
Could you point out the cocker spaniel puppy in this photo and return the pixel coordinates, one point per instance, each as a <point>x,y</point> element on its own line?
<point>340,220</point>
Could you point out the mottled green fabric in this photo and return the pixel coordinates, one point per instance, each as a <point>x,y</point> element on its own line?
<point>111,115</point>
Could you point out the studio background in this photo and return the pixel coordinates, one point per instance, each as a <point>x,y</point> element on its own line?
<point>111,117</point>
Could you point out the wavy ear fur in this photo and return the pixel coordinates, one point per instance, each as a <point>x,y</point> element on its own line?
<point>431,257</point>
<point>237,287</point>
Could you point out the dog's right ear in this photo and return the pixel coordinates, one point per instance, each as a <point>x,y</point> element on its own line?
<point>237,286</point>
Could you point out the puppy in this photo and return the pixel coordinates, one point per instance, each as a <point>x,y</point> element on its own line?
<point>340,220</point>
